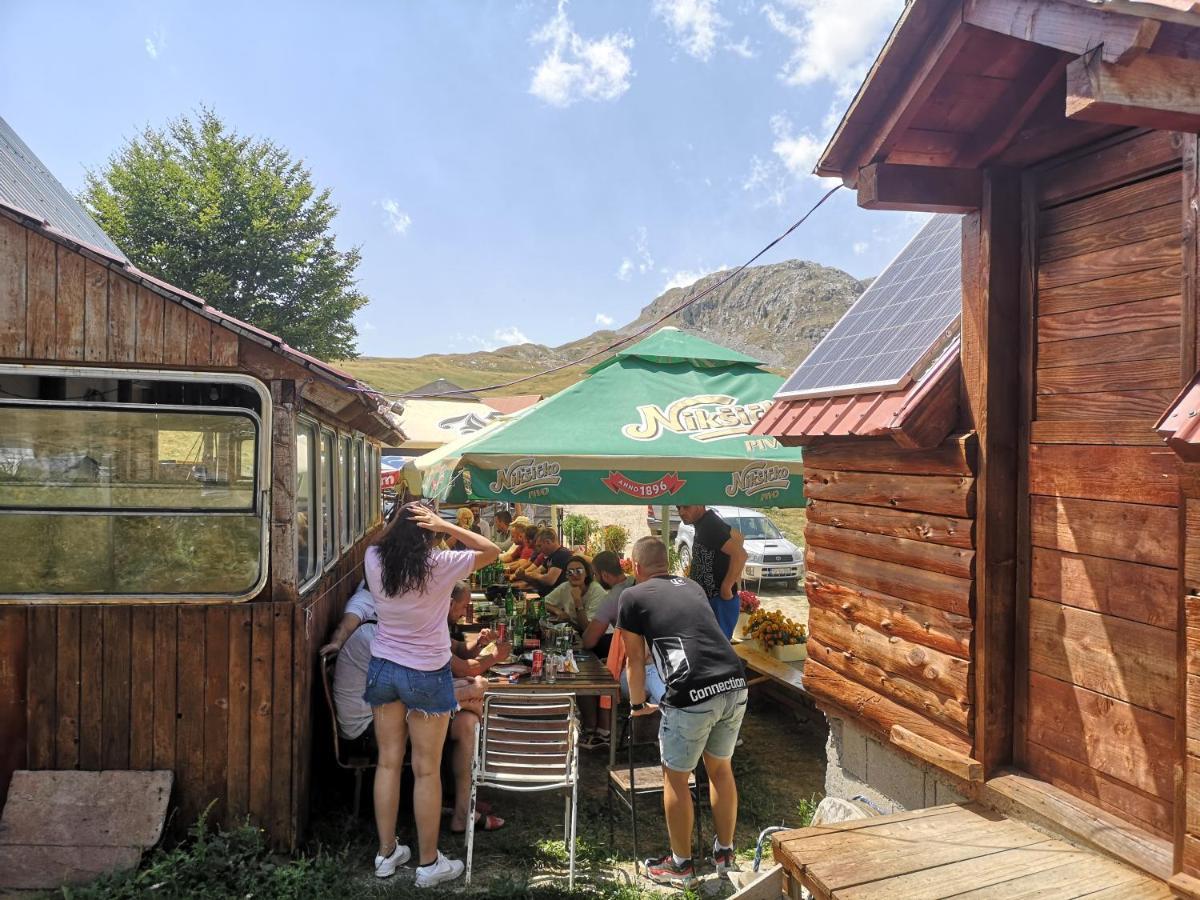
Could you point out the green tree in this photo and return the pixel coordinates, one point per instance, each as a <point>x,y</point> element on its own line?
<point>234,220</point>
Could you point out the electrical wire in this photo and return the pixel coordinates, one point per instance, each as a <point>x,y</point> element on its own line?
<point>631,337</point>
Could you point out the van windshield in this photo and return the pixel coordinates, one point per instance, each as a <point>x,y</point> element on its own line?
<point>755,528</point>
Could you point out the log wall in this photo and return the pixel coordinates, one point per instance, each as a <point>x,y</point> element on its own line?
<point>891,564</point>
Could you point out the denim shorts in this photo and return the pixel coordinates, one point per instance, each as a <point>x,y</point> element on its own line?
<point>710,727</point>
<point>429,692</point>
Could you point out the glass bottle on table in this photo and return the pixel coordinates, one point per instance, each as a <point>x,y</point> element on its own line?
<point>510,604</point>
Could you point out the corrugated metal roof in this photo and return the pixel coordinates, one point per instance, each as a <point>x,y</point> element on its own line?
<point>27,185</point>
<point>867,414</point>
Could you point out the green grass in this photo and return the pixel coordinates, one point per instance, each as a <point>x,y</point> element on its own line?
<point>791,522</point>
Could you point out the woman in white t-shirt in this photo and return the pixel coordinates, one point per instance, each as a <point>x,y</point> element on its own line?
<point>411,580</point>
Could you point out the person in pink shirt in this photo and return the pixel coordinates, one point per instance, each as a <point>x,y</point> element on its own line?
<point>411,582</point>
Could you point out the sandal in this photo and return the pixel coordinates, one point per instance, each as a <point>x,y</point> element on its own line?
<point>483,822</point>
<point>593,740</point>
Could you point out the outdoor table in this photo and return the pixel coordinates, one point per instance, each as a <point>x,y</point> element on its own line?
<point>593,680</point>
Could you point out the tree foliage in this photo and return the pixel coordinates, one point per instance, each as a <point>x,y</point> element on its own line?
<point>236,221</point>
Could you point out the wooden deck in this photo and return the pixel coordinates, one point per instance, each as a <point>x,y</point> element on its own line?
<point>961,851</point>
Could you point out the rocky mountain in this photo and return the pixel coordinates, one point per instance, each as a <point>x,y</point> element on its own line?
<point>775,312</point>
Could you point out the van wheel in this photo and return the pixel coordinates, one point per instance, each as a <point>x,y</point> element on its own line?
<point>685,560</point>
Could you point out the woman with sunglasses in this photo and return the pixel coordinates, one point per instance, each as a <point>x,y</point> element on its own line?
<point>577,600</point>
<point>411,580</point>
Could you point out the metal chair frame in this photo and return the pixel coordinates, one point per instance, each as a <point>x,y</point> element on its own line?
<point>527,743</point>
<point>629,798</point>
<point>358,764</point>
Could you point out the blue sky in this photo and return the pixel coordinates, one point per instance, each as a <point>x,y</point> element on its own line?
<point>510,170</point>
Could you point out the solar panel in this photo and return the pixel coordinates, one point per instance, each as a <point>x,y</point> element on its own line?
<point>896,323</point>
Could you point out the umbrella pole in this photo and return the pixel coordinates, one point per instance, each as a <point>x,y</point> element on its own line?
<point>665,527</point>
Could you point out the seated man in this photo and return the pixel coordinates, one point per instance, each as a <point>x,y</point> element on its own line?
<point>351,641</point>
<point>598,634</point>
<point>553,570</point>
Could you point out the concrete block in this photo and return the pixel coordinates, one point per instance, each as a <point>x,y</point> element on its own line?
<point>895,776</point>
<point>854,751</point>
<point>69,827</point>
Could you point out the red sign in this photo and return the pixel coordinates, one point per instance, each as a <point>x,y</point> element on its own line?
<point>664,487</point>
<point>389,478</point>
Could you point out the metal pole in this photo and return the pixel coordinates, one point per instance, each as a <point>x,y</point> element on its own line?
<point>665,527</point>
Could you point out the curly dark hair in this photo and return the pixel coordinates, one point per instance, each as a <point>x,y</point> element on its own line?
<point>588,576</point>
<point>404,552</point>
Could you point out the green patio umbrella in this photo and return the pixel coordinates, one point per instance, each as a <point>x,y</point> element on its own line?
<point>665,421</point>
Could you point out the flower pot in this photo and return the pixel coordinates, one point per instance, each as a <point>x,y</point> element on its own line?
<point>739,630</point>
<point>790,652</point>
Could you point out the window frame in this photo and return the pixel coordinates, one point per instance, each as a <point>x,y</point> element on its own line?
<point>360,526</point>
<point>335,549</point>
<point>345,445</point>
<point>307,579</point>
<point>261,510</point>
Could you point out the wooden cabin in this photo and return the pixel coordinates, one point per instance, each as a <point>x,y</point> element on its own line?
<point>1004,540</point>
<point>184,505</point>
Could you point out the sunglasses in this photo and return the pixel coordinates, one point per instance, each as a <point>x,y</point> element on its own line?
<point>576,571</point>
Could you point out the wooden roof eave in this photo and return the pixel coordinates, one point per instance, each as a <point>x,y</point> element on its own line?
<point>925,43</point>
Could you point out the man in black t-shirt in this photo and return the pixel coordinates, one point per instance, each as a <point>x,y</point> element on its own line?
<point>554,569</point>
<point>718,557</point>
<point>702,708</point>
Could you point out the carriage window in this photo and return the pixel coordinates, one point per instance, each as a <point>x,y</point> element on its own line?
<point>328,500</point>
<point>307,476</point>
<point>347,486</point>
<point>359,486</point>
<point>131,486</point>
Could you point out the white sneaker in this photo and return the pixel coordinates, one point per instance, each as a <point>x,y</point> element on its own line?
<point>385,866</point>
<point>442,869</point>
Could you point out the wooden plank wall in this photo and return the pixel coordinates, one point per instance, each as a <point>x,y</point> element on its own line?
<point>891,562</point>
<point>1099,616</point>
<point>56,305</point>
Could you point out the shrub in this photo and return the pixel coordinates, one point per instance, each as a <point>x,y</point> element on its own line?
<point>615,538</point>
<point>577,527</point>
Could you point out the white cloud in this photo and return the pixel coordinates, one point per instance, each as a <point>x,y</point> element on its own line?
<point>575,68</point>
<point>832,40</point>
<point>797,152</point>
<point>641,262</point>
<point>156,43</point>
<point>510,335</point>
<point>861,247</point>
<point>768,180</point>
<point>695,24</point>
<point>368,326</point>
<point>394,217</point>
<point>684,278</point>
<point>603,320</point>
<point>742,48</point>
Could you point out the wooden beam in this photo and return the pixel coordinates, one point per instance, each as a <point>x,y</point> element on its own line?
<point>1016,105</point>
<point>1149,92</point>
<point>964,767</point>
<point>1061,25</point>
<point>991,266</point>
<point>918,188</point>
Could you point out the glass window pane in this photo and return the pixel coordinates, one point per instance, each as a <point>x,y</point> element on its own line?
<point>306,532</point>
<point>356,486</point>
<point>59,457</point>
<point>327,498</point>
<point>130,554</point>
<point>347,492</point>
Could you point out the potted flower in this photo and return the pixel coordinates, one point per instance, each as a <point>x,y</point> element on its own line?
<point>783,638</point>
<point>747,603</point>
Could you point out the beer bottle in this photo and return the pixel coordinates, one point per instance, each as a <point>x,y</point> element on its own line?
<point>510,604</point>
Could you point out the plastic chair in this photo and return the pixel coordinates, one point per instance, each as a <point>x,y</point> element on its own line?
<point>528,743</point>
<point>628,783</point>
<point>354,762</point>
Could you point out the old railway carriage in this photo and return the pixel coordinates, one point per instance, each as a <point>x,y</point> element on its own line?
<point>1004,529</point>
<point>184,504</point>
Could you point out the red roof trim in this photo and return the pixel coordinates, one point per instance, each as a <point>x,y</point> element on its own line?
<point>874,413</point>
